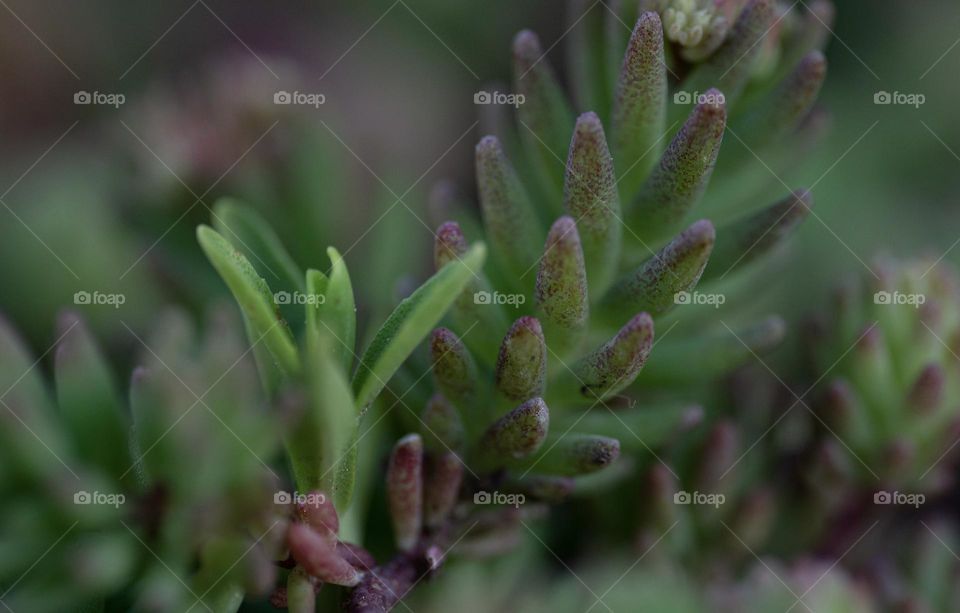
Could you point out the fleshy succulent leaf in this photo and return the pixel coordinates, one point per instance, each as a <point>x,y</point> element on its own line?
<point>653,286</point>
<point>444,472</point>
<point>517,434</point>
<point>591,199</point>
<point>319,558</point>
<point>561,287</point>
<point>603,373</point>
<point>522,364</point>
<point>410,322</point>
<point>640,105</point>
<point>405,490</point>
<point>682,175</point>
<point>317,510</point>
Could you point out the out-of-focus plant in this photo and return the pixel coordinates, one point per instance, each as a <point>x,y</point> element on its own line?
<point>601,241</point>
<point>890,395</point>
<point>155,499</point>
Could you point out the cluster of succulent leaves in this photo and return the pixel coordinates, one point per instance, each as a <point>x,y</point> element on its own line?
<point>887,352</point>
<point>146,498</point>
<point>594,237</point>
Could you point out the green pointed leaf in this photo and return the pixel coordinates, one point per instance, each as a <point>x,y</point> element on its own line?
<point>89,400</point>
<point>410,322</point>
<point>561,288</point>
<point>590,197</point>
<point>509,218</point>
<point>640,105</point>
<point>252,235</point>
<point>255,299</point>
<point>321,443</point>
<point>653,287</point>
<point>335,314</point>
<point>747,239</point>
<point>680,179</point>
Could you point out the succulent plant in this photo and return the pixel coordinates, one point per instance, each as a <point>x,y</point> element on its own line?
<point>588,253</point>
<point>887,366</point>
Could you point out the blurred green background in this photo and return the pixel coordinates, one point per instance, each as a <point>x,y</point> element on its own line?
<point>98,198</point>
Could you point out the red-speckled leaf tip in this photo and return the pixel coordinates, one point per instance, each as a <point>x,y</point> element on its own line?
<point>522,363</point>
<point>450,244</point>
<point>561,286</point>
<point>518,433</point>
